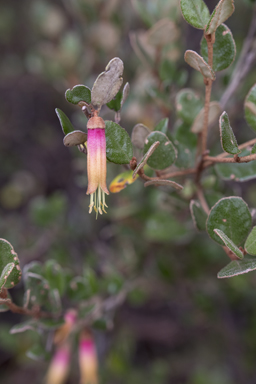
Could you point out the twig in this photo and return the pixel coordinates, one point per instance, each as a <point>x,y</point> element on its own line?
<point>202,200</point>
<point>35,312</point>
<point>244,159</point>
<point>208,90</point>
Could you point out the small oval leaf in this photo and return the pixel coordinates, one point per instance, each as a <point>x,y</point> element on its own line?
<point>139,134</point>
<point>198,63</point>
<point>228,140</point>
<point>107,83</point>
<point>195,12</point>
<point>121,181</point>
<point>144,159</point>
<point>224,49</point>
<point>237,171</point>
<point>10,271</point>
<point>250,244</point>
<point>164,155</point>
<point>221,13</point>
<point>198,215</point>
<point>162,126</point>
<point>75,138</point>
<point>118,144</point>
<point>77,94</point>
<point>232,216</point>
<point>65,123</point>
<point>229,243</point>
<point>188,105</point>
<point>238,267</point>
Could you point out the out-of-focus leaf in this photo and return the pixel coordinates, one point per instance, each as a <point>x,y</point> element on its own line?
<point>125,93</point>
<point>237,171</point>
<point>162,126</point>
<point>139,134</point>
<point>195,12</point>
<point>65,123</point>
<point>250,244</point>
<point>228,140</point>
<point>188,105</point>
<point>54,275</point>
<point>29,325</point>
<point>163,32</point>
<point>121,181</point>
<point>163,227</point>
<point>232,216</point>
<point>238,267</point>
<point>224,49</point>
<point>221,13</point>
<point>51,324</point>
<point>198,215</point>
<point>250,108</point>
<point>167,183</point>
<point>164,155</point>
<point>45,211</point>
<point>197,62</point>
<point>77,94</point>
<point>38,353</point>
<point>10,272</point>
<point>214,112</point>
<point>75,138</point>
<point>107,83</point>
<point>229,243</point>
<point>118,144</point>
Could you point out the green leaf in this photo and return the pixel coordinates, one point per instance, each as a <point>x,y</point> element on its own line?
<point>188,105</point>
<point>4,307</point>
<point>221,13</point>
<point>186,156</point>
<point>10,272</point>
<point>184,136</point>
<point>107,83</point>
<point>195,12</point>
<point>238,267</point>
<point>115,104</point>
<point>164,155</point>
<point>65,123</point>
<point>199,64</point>
<point>224,49</point>
<point>198,215</point>
<point>228,140</point>
<point>214,112</point>
<point>144,159</point>
<point>139,134</point>
<point>162,126</point>
<point>250,108</point>
<point>77,94</point>
<point>118,143</point>
<point>125,93</point>
<point>75,138</point>
<point>78,289</point>
<point>229,243</point>
<point>253,150</point>
<point>54,275</point>
<point>250,244</point>
<point>38,353</point>
<point>29,325</point>
<point>51,324</point>
<point>232,216</point>
<point>237,171</point>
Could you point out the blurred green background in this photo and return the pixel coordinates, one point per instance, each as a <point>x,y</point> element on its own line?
<point>183,326</point>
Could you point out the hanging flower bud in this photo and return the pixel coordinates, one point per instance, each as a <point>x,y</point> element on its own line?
<point>63,332</point>
<point>59,366</point>
<point>96,164</point>
<point>88,359</point>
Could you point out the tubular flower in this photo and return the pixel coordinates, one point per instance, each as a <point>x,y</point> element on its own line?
<point>96,164</point>
<point>88,359</point>
<point>59,367</point>
<point>63,332</point>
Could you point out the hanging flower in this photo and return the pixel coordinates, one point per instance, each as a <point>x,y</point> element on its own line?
<point>63,332</point>
<point>96,164</point>
<point>59,367</point>
<point>88,359</point>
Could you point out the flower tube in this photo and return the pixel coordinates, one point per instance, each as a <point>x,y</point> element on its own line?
<point>88,359</point>
<point>59,366</point>
<point>96,164</point>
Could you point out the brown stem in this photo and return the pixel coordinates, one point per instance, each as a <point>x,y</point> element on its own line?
<point>244,159</point>
<point>35,312</point>
<point>208,90</point>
